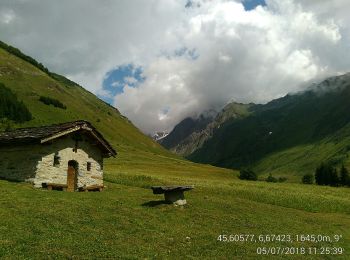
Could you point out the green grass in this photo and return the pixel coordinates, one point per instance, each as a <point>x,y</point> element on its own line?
<point>299,160</point>
<point>128,221</point>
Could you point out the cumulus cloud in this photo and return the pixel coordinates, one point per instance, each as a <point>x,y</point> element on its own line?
<point>243,56</point>
<point>85,39</point>
<point>194,57</point>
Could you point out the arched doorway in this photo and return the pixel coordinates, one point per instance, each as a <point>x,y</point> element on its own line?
<point>72,175</point>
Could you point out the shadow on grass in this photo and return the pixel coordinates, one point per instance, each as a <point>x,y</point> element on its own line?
<point>10,180</point>
<point>155,203</point>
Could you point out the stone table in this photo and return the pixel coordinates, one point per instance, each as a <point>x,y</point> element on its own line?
<point>172,194</point>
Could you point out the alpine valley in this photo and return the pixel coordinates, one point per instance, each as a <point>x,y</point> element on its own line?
<point>126,220</point>
<point>289,136</point>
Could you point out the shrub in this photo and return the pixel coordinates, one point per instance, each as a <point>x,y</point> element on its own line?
<point>282,179</point>
<point>248,174</point>
<point>344,176</point>
<point>51,101</point>
<point>322,174</point>
<point>6,124</point>
<point>308,179</point>
<point>271,179</point>
<point>326,174</point>
<point>11,108</point>
<point>334,178</point>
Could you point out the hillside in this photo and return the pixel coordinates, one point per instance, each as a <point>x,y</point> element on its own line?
<point>287,136</point>
<point>190,134</point>
<point>29,82</point>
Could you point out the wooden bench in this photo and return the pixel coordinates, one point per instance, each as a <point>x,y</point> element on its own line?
<point>55,186</point>
<point>91,188</point>
<point>172,194</point>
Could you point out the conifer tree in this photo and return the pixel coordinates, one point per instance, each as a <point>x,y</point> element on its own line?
<point>11,108</point>
<point>344,176</point>
<point>320,174</point>
<point>333,177</point>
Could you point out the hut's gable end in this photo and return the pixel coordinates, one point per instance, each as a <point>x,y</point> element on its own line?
<point>53,166</point>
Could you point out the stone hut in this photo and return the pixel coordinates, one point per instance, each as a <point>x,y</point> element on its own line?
<point>68,156</point>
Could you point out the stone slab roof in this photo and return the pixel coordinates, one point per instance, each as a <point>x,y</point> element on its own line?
<point>44,134</point>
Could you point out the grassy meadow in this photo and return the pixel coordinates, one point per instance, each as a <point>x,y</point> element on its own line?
<point>128,221</point>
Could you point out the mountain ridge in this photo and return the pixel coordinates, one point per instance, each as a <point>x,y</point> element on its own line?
<point>202,129</point>
<point>308,119</point>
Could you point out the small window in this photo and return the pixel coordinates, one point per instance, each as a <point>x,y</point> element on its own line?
<point>56,160</point>
<point>88,166</point>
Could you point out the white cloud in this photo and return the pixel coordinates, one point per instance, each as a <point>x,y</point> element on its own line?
<point>130,80</point>
<point>6,16</point>
<point>247,56</point>
<point>117,84</point>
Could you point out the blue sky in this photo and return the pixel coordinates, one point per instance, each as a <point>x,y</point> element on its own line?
<point>248,4</point>
<point>116,79</point>
<point>251,4</point>
<point>131,75</point>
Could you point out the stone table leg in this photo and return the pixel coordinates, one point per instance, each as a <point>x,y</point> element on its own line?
<point>175,197</point>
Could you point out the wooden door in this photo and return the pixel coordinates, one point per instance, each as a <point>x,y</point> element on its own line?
<point>71,179</point>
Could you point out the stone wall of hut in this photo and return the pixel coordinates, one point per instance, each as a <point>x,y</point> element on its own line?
<point>48,162</point>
